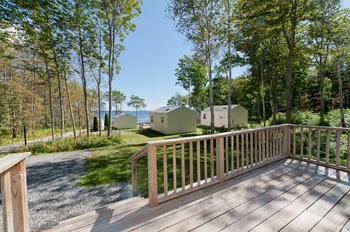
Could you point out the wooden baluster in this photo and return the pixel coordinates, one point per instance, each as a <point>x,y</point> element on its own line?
<point>309,144</point>
<point>251,150</point>
<point>237,151</point>
<point>232,154</point>
<point>174,169</point>
<point>242,151</point>
<point>327,146</point>
<point>152,175</point>
<point>348,156</point>
<point>226,154</point>
<point>212,159</point>
<point>220,159</point>
<point>263,145</point>
<point>260,147</point>
<point>183,177</point>
<point>191,165</point>
<point>247,150</point>
<point>294,142</point>
<point>134,177</point>
<point>337,154</point>
<point>301,142</point>
<point>205,162</point>
<point>318,145</point>
<point>199,163</point>
<point>165,171</point>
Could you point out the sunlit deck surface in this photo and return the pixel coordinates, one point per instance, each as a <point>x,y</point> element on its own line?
<point>287,195</point>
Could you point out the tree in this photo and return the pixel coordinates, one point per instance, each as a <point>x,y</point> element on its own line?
<point>191,73</point>
<point>177,100</point>
<point>199,20</point>
<point>137,103</point>
<point>341,35</point>
<point>107,121</point>
<point>117,17</point>
<point>118,99</point>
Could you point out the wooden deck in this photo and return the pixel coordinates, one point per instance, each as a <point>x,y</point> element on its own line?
<point>288,195</point>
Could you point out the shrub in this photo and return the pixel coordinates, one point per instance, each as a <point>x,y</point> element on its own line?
<point>106,121</point>
<point>95,125</point>
<point>70,144</point>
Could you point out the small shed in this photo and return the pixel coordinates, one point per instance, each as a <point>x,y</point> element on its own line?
<point>173,120</point>
<point>124,121</point>
<point>239,116</point>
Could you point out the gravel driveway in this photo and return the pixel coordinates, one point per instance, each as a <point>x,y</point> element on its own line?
<point>53,194</point>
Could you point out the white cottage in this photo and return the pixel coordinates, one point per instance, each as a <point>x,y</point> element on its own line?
<point>173,120</point>
<point>124,121</point>
<point>239,116</point>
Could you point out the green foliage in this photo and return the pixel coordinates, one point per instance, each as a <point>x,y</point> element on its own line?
<point>306,117</point>
<point>95,125</point>
<point>280,119</point>
<point>107,121</point>
<point>70,144</point>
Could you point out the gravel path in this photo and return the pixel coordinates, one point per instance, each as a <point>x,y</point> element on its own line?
<point>53,194</point>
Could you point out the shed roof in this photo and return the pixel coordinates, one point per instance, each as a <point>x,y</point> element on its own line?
<point>220,108</point>
<point>124,114</point>
<point>165,109</point>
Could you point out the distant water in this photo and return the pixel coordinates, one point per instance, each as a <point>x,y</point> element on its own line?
<point>142,116</point>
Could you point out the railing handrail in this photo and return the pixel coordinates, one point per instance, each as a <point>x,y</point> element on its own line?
<point>212,136</point>
<point>11,160</point>
<point>14,192</point>
<point>139,154</point>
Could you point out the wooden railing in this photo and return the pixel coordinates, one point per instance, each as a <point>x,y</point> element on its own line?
<point>328,146</point>
<point>180,166</point>
<point>14,192</point>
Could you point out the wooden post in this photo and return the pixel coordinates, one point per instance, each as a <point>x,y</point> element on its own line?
<point>220,159</point>
<point>152,175</point>
<point>286,141</point>
<point>14,192</point>
<point>134,175</point>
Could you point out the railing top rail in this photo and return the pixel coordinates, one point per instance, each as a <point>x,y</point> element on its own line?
<point>206,137</point>
<point>10,160</point>
<point>141,153</point>
<point>319,127</point>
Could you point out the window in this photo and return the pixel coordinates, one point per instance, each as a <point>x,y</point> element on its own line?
<point>151,118</point>
<point>162,119</point>
<point>204,116</point>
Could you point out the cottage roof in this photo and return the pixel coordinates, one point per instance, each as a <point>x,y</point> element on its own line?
<point>124,114</point>
<point>165,109</point>
<point>220,108</point>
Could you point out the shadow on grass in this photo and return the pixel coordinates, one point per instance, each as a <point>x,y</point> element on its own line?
<point>110,167</point>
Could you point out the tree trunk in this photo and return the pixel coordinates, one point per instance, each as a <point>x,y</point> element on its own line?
<point>60,96</point>
<point>50,96</point>
<point>341,102</point>
<point>70,107</point>
<point>83,79</point>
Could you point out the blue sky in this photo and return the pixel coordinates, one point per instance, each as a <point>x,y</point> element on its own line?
<point>151,56</point>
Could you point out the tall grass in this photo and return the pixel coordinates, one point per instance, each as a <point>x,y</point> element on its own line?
<point>71,144</point>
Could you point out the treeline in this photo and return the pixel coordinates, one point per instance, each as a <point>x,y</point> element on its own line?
<point>297,54</point>
<point>54,55</point>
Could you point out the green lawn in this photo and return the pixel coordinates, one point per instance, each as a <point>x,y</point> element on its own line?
<point>111,165</point>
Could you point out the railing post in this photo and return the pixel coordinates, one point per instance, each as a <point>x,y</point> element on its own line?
<point>14,192</point>
<point>286,141</point>
<point>152,175</point>
<point>220,159</point>
<point>134,175</point>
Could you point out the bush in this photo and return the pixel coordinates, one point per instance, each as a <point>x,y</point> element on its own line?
<point>306,118</point>
<point>95,125</point>
<point>106,121</point>
<point>70,144</point>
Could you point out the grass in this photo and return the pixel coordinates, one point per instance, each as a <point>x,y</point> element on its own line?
<point>111,164</point>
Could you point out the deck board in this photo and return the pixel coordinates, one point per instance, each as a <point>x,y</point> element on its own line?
<point>285,195</point>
